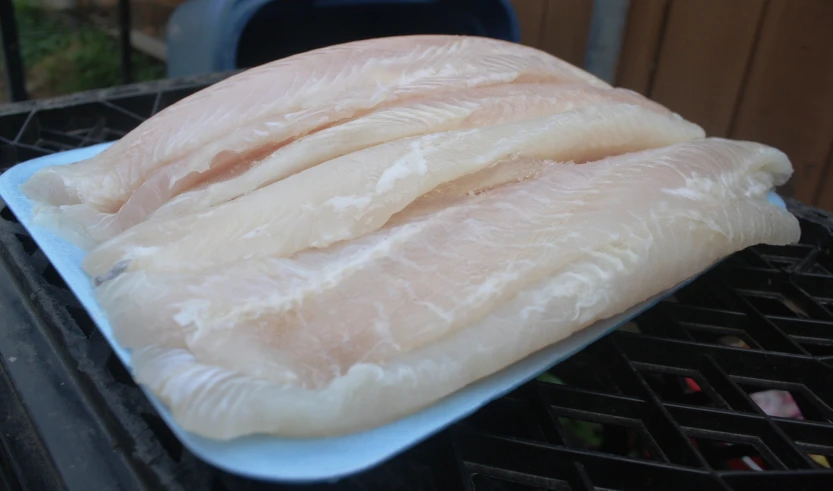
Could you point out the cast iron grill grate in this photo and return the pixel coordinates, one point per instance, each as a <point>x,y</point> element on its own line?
<point>673,400</point>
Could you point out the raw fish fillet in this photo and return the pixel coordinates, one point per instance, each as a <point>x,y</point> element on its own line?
<point>355,194</point>
<point>451,289</point>
<point>460,109</point>
<point>251,114</point>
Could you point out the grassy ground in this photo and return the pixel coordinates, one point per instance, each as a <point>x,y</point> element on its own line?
<point>62,56</point>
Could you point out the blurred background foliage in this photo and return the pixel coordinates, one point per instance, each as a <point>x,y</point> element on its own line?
<point>66,51</point>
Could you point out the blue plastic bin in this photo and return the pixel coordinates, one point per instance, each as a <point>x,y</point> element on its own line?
<point>216,35</point>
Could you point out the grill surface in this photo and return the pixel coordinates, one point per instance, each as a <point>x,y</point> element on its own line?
<point>664,403</point>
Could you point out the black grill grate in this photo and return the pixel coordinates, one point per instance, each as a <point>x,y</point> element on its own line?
<point>667,402</point>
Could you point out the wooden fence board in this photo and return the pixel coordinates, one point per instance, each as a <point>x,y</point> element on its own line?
<point>531,16</point>
<point>641,43</point>
<point>566,25</point>
<point>704,58</point>
<point>787,101</point>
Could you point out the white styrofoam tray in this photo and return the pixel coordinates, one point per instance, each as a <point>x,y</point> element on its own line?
<point>286,459</point>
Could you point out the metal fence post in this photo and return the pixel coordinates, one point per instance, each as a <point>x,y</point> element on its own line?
<point>15,76</point>
<point>124,38</point>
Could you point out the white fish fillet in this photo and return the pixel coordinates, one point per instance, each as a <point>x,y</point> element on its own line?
<point>349,196</point>
<point>352,336</point>
<point>252,113</point>
<point>470,108</point>
<point>461,109</point>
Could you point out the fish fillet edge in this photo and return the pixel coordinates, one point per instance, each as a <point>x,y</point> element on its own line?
<point>223,404</point>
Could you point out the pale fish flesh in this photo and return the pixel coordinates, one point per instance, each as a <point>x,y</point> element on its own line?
<point>251,114</point>
<point>355,194</point>
<point>451,110</point>
<point>367,330</point>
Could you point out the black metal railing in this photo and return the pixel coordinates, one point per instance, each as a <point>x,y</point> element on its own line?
<point>15,76</point>
<point>15,70</point>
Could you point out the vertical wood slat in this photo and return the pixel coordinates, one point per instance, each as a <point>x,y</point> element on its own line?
<point>566,25</point>
<point>531,16</point>
<point>824,193</point>
<point>641,44</point>
<point>787,101</point>
<point>703,60</point>
<point>706,64</point>
<point>559,27</point>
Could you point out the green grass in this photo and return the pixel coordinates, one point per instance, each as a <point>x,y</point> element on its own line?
<point>63,57</point>
<point>551,379</point>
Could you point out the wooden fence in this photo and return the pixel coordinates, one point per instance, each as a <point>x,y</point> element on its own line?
<point>758,70</point>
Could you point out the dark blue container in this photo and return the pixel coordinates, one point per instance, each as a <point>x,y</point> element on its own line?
<point>216,35</point>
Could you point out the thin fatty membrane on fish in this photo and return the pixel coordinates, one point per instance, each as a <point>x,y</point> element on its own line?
<point>355,194</point>
<point>456,109</point>
<point>368,330</point>
<point>460,109</point>
<point>306,282</point>
<point>249,115</point>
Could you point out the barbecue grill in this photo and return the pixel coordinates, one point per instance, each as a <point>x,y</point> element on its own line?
<point>666,402</point>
